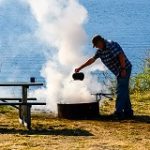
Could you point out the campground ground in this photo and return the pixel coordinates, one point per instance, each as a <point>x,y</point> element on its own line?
<point>103,133</point>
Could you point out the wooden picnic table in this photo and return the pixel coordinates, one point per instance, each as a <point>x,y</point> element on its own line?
<point>24,105</point>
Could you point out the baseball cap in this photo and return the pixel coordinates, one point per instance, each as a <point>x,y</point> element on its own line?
<point>95,39</point>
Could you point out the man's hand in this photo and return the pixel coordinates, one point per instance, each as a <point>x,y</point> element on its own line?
<point>77,70</point>
<point>123,73</point>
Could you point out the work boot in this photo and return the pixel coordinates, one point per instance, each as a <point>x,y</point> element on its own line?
<point>128,115</point>
<point>118,115</point>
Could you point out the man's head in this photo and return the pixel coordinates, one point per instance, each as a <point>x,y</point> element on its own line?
<point>98,42</point>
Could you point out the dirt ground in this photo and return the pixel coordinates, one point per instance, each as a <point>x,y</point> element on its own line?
<point>103,133</point>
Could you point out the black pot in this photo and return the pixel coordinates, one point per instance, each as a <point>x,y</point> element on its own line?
<point>78,76</point>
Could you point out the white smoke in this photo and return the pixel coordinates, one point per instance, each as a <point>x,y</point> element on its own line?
<point>61,26</point>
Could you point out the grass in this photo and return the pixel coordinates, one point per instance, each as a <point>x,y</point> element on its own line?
<point>103,133</point>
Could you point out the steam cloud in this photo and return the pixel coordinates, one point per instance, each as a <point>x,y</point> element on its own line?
<point>61,27</point>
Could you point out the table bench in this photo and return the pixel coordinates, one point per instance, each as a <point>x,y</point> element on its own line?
<point>14,99</point>
<point>24,106</point>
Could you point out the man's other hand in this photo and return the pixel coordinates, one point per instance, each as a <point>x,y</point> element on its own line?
<point>123,73</point>
<point>77,70</point>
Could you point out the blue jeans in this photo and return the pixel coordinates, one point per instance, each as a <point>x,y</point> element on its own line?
<point>123,104</point>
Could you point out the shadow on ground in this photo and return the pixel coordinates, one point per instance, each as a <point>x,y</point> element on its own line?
<point>51,131</point>
<point>4,129</point>
<point>135,119</point>
<point>110,118</point>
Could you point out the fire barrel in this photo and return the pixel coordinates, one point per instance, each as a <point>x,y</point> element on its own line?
<point>78,110</point>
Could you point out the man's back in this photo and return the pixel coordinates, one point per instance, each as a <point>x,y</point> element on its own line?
<point>109,56</point>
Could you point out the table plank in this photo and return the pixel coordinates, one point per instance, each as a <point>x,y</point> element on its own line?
<point>16,98</point>
<point>21,84</point>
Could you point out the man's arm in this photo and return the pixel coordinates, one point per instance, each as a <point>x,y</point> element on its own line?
<point>89,62</point>
<point>122,64</point>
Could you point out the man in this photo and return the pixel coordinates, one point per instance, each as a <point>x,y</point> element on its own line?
<point>112,55</point>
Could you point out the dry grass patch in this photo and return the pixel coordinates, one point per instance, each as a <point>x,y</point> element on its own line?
<point>100,134</point>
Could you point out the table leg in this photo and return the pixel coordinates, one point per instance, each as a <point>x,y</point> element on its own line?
<point>20,113</point>
<point>28,117</point>
<point>96,97</point>
<point>25,110</point>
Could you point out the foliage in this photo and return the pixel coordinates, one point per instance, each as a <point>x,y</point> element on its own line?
<point>141,82</point>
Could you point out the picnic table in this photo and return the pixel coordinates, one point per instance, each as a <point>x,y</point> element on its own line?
<point>23,103</point>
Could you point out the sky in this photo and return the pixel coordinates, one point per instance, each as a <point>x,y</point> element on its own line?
<point>19,46</point>
<point>23,54</point>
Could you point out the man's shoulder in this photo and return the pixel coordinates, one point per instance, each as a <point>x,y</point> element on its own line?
<point>97,54</point>
<point>110,42</point>
<point>98,50</point>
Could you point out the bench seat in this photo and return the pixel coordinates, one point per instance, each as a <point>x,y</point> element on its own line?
<point>3,98</point>
<point>21,103</point>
